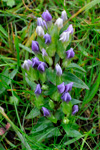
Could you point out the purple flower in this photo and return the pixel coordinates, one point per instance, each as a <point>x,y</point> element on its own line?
<point>47,38</point>
<point>68,87</point>
<point>66,97</point>
<point>70,29</point>
<point>61,88</point>
<point>29,62</point>
<point>45,111</point>
<point>70,53</point>
<point>41,22</point>
<point>26,65</point>
<point>74,109</point>
<point>44,53</point>
<point>38,89</point>
<point>35,47</point>
<point>45,24</point>
<point>58,70</point>
<point>35,62</point>
<point>64,15</point>
<point>42,66</point>
<point>46,16</point>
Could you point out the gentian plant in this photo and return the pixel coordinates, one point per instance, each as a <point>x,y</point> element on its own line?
<point>49,76</point>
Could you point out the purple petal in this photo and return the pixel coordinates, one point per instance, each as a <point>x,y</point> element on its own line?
<point>38,89</point>
<point>61,87</point>
<point>70,53</point>
<point>66,97</point>
<point>46,16</point>
<point>45,111</point>
<point>42,66</point>
<point>68,87</point>
<point>47,38</point>
<point>70,29</point>
<point>35,62</point>
<point>75,109</point>
<point>35,46</point>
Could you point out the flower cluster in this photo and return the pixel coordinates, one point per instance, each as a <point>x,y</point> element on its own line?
<point>50,52</point>
<point>65,89</point>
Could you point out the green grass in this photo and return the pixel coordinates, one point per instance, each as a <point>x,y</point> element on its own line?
<point>17,26</point>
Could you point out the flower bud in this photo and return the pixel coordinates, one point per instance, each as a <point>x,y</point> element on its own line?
<point>26,65</point>
<point>42,66</point>
<point>59,22</point>
<point>47,38</point>
<point>70,29</point>
<point>35,62</point>
<point>45,111</point>
<point>65,120</point>
<point>58,70</point>
<point>61,88</point>
<point>40,22</point>
<point>46,16</point>
<point>64,37</point>
<point>45,24</point>
<point>44,53</point>
<point>38,89</point>
<point>66,97</point>
<point>74,109</point>
<point>39,31</point>
<point>68,87</point>
<point>70,53</point>
<point>64,15</point>
<point>35,47</point>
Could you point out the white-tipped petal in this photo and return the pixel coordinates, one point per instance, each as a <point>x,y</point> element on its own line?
<point>58,70</point>
<point>40,31</point>
<point>59,22</point>
<point>26,65</point>
<point>64,15</point>
<point>64,37</point>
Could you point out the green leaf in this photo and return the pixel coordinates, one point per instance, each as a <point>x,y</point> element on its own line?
<point>14,100</point>
<point>17,49</point>
<point>52,118</point>
<point>91,4</point>
<point>51,75</point>
<point>51,132</point>
<point>2,30</point>
<point>41,125</point>
<point>73,65</point>
<point>69,77</point>
<point>73,140</point>
<point>92,92</point>
<point>51,49</point>
<point>6,78</point>
<point>41,42</point>
<point>75,101</point>
<point>26,48</point>
<point>30,83</point>
<point>54,131</point>
<point>39,101</point>
<point>66,108</point>
<point>60,50</point>
<point>1,147</point>
<point>52,89</point>
<point>70,131</point>
<point>33,113</point>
